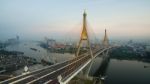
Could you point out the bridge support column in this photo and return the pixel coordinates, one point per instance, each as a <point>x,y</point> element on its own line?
<point>84,74</point>
<point>87,70</point>
<point>84,37</point>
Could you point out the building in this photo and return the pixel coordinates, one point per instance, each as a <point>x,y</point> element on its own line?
<point>59,46</point>
<point>51,43</point>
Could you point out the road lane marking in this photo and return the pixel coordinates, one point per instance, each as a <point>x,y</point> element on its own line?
<point>54,71</point>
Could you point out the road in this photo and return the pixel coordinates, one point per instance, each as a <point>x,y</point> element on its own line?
<point>50,74</point>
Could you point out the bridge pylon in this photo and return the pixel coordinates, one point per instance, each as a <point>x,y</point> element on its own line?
<point>105,42</point>
<point>84,37</point>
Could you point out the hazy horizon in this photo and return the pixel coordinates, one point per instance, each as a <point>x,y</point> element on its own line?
<point>36,19</point>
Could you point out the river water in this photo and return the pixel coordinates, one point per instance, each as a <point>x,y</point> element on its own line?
<point>117,71</point>
<point>41,53</point>
<point>122,71</point>
<point>127,72</point>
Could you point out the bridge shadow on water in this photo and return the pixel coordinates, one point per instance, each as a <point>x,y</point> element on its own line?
<point>100,74</point>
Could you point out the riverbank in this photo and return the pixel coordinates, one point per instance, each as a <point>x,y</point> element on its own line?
<point>128,53</point>
<point>13,60</point>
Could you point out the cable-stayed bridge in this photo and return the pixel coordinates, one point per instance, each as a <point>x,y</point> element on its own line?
<point>62,73</point>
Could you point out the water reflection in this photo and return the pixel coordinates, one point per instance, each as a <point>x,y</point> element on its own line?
<point>120,71</point>
<point>100,74</point>
<point>127,72</point>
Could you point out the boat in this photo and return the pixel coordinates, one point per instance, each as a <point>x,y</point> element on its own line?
<point>2,71</point>
<point>33,49</point>
<point>46,62</point>
<point>146,66</point>
<point>103,77</point>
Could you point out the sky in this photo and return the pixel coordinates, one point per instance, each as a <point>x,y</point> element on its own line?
<point>36,19</point>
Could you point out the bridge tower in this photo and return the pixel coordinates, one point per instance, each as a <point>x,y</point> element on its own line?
<point>84,37</point>
<point>105,42</point>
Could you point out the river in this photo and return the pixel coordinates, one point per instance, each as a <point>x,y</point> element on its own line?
<point>41,53</point>
<point>123,71</point>
<point>127,72</point>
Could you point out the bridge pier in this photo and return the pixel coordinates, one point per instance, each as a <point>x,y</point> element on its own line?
<point>87,71</point>
<point>84,74</point>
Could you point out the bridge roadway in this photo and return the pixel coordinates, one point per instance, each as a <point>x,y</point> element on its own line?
<point>50,74</point>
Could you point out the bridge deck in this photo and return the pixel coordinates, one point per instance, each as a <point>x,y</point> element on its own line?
<point>50,74</point>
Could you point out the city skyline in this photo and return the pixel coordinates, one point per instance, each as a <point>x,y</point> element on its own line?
<point>124,19</point>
